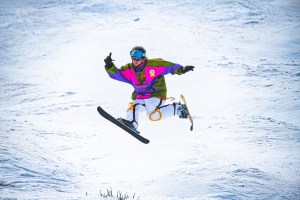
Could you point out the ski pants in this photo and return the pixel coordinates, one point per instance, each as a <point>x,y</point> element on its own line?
<point>154,107</point>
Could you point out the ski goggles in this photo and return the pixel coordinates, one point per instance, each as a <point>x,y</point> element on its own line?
<point>137,54</point>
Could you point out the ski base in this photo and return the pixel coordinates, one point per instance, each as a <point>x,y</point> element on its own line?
<point>189,114</point>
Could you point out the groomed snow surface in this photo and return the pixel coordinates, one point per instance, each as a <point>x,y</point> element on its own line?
<point>244,95</point>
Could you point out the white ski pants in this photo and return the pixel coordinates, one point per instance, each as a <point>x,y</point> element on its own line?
<point>154,107</point>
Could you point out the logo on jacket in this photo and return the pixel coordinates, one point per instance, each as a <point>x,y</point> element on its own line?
<point>152,73</point>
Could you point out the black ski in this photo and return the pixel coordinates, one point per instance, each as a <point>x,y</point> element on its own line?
<point>135,134</point>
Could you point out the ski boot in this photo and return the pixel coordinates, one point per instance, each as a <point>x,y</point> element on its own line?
<point>127,123</point>
<point>182,111</point>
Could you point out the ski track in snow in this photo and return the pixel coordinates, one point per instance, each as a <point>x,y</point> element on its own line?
<point>244,96</point>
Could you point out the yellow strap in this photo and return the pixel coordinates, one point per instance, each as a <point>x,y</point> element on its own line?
<point>131,106</point>
<point>154,111</point>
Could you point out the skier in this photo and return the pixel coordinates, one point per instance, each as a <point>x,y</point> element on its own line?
<point>150,92</point>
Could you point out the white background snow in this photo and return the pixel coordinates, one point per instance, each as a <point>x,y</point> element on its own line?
<point>244,96</point>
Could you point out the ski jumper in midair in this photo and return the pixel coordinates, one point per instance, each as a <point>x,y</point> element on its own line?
<point>150,91</point>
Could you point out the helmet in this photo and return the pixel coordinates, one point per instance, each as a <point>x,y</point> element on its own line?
<point>138,51</point>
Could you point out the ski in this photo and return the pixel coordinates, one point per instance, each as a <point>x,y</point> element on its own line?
<point>190,116</point>
<point>110,118</point>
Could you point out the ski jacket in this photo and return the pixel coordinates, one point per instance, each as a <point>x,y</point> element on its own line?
<point>147,80</point>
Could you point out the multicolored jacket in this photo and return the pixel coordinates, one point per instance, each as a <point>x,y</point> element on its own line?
<point>148,80</point>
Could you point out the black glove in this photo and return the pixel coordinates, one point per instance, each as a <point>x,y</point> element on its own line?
<point>187,68</point>
<point>108,61</point>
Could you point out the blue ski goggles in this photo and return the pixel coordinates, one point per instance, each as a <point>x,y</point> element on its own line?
<point>137,54</point>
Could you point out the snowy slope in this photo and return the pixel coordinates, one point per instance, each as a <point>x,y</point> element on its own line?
<point>244,97</point>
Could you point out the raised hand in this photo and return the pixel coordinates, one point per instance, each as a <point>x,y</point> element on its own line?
<point>108,61</point>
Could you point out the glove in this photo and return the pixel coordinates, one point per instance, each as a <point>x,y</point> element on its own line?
<point>108,61</point>
<point>187,68</point>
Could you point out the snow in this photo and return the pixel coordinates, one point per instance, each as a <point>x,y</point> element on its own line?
<point>243,95</point>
